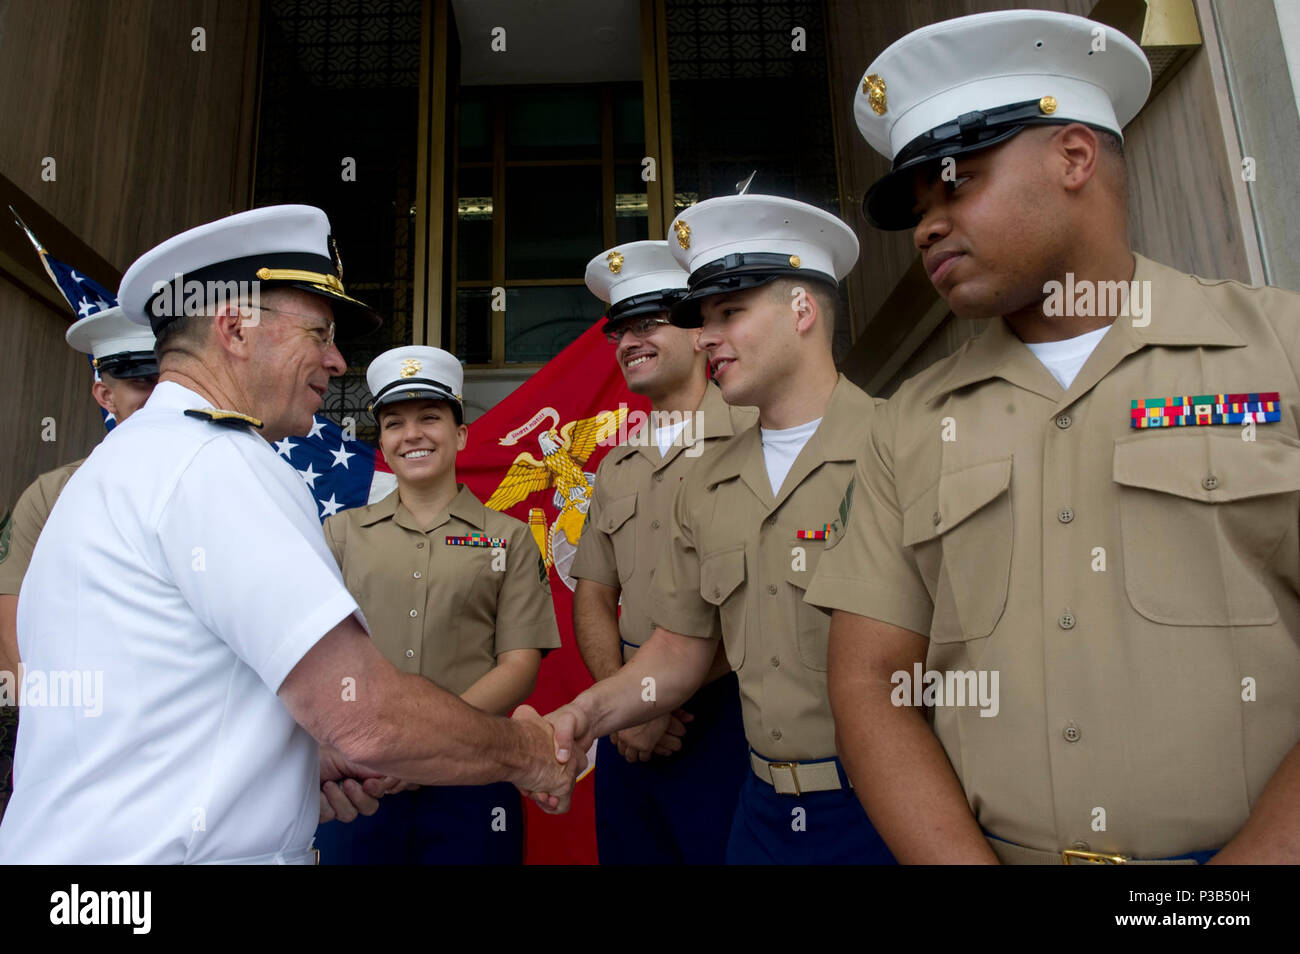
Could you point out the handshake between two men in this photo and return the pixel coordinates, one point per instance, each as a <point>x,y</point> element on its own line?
<point>349,789</point>
<point>389,731</point>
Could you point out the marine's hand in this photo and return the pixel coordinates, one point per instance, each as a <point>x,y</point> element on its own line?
<point>549,782</point>
<point>659,736</point>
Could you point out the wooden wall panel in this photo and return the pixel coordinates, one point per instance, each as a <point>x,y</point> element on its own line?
<point>149,138</point>
<point>1182,211</point>
<point>42,378</point>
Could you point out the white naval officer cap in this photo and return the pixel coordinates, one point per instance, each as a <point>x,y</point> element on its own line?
<point>966,84</point>
<point>116,344</point>
<point>634,279</point>
<point>416,372</point>
<point>735,242</point>
<point>279,246</point>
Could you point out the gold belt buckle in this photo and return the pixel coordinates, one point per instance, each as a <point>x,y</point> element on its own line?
<point>1069,855</point>
<point>794,774</point>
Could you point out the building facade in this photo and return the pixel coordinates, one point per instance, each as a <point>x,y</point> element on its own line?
<point>474,154</point>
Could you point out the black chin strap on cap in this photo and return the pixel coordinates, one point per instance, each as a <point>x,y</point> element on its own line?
<point>408,382</point>
<point>976,128</point>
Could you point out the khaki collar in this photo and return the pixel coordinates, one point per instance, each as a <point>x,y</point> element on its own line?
<point>841,436</point>
<point>714,421</point>
<point>464,506</point>
<point>1177,312</point>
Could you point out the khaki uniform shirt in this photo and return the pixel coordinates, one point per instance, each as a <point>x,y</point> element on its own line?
<point>1137,591</point>
<point>735,548</point>
<point>19,532</point>
<point>443,610</point>
<point>632,505</point>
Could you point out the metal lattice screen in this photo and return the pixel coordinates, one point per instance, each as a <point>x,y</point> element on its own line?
<point>743,99</point>
<point>340,81</point>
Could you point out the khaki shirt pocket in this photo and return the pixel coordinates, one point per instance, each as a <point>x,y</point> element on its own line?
<point>960,533</point>
<point>812,626</point>
<point>617,523</point>
<point>721,574</point>
<point>1202,514</point>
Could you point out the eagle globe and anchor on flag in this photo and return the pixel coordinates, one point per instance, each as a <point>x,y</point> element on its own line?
<point>564,451</point>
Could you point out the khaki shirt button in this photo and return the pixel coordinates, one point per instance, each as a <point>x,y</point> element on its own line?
<point>717,592</point>
<point>1210,482</point>
<point>776,662</point>
<point>1080,846</point>
<point>1071,733</point>
<point>1066,515</point>
<point>776,734</point>
<point>937,519</point>
<point>658,476</point>
<point>771,588</point>
<point>414,613</point>
<point>420,545</point>
<point>654,524</point>
<point>416,574</point>
<point>1063,421</point>
<point>1066,621</point>
<point>410,654</point>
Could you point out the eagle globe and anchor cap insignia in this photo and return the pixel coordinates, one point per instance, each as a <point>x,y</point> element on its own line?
<point>873,86</point>
<point>615,260</point>
<point>410,367</point>
<point>683,233</point>
<point>564,451</point>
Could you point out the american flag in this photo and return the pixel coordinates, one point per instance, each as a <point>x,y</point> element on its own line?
<point>340,472</point>
<point>85,296</point>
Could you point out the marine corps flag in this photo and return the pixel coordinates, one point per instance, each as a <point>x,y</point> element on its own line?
<point>534,456</point>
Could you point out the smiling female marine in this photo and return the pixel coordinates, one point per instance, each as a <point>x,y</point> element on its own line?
<point>453,592</point>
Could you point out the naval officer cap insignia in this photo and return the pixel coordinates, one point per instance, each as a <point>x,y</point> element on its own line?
<point>416,372</point>
<point>636,279</point>
<point>966,84</point>
<point>279,246</point>
<point>740,241</point>
<point>117,344</point>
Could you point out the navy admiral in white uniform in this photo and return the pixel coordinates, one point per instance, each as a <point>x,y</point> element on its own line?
<point>237,673</point>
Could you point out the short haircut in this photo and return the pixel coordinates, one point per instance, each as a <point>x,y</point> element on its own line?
<point>783,290</point>
<point>189,333</point>
<point>1113,148</point>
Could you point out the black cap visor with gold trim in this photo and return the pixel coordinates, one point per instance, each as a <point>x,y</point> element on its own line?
<point>128,364</point>
<point>889,202</point>
<point>738,272</point>
<point>315,274</point>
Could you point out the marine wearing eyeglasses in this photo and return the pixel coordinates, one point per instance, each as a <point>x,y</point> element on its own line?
<point>666,789</point>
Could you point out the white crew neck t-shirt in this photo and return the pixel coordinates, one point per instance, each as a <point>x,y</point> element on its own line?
<point>781,447</point>
<point>1065,358</point>
<point>664,436</point>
